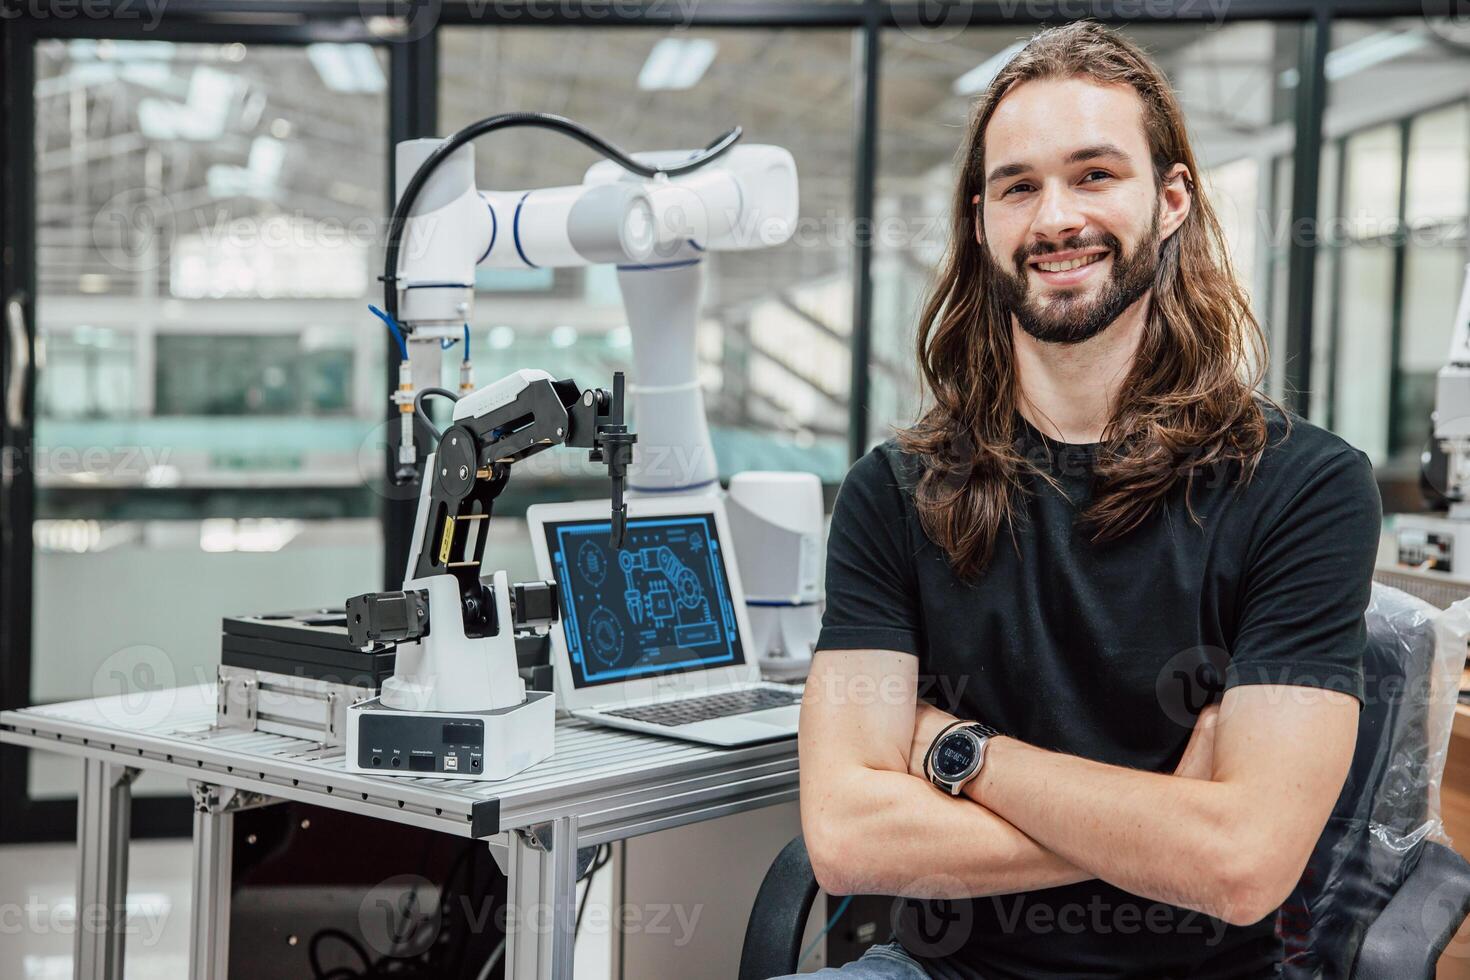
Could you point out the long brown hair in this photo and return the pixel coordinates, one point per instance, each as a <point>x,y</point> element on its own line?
<point>1189,402</point>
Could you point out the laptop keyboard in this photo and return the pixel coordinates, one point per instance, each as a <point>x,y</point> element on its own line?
<point>687,711</point>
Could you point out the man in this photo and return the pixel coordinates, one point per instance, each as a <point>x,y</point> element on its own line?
<point>1095,516</point>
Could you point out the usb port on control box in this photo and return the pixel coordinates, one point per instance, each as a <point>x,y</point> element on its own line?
<point>451,763</point>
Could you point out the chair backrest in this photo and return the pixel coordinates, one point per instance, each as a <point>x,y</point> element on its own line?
<point>1371,841</point>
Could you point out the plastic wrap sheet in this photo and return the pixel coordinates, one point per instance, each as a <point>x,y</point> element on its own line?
<point>1390,803</point>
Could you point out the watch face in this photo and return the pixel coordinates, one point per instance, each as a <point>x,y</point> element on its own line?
<point>954,755</point>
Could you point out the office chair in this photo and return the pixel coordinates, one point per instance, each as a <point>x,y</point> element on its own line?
<point>1378,899</point>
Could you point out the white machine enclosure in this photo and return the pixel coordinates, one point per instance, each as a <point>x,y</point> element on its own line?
<point>640,690</point>
<point>1440,543</point>
<point>448,229</point>
<point>779,528</point>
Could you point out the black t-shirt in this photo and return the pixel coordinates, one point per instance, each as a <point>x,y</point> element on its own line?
<point>1108,652</point>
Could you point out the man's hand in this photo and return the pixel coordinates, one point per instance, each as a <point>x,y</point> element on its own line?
<point>1198,761</point>
<point>929,721</point>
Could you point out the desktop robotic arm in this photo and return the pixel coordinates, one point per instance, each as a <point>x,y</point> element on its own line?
<point>456,704</point>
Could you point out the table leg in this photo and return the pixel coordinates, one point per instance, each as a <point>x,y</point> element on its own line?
<point>540,931</point>
<point>214,828</point>
<point>103,824</point>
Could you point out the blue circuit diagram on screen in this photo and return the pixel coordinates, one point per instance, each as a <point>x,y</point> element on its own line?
<point>661,603</point>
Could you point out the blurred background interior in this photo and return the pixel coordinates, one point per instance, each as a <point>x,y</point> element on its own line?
<point>194,209</point>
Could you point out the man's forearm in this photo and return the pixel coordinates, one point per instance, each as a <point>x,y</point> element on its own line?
<point>1160,836</point>
<point>894,834</point>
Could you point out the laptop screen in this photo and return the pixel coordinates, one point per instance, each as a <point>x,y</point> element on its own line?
<point>659,605</point>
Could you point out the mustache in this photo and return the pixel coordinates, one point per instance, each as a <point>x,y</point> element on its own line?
<point>1024,253</point>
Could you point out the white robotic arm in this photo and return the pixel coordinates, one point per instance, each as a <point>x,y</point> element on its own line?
<point>747,199</point>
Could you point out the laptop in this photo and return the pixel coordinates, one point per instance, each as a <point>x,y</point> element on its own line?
<point>652,636</point>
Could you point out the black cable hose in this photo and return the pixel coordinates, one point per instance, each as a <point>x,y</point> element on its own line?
<point>508,120</point>
<point>313,958</point>
<point>603,855</point>
<point>423,416</point>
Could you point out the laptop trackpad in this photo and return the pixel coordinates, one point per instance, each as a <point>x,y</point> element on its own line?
<point>786,717</point>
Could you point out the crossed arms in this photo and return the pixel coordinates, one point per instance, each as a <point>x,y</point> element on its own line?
<point>1228,833</point>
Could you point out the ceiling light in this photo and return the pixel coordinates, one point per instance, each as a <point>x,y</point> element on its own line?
<point>1361,54</point>
<point>365,68</point>
<point>676,63</point>
<point>331,65</point>
<point>978,79</point>
<point>347,67</point>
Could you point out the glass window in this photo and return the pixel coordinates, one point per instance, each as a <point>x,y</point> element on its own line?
<point>252,374</point>
<point>211,378</point>
<point>1229,82</point>
<point>773,337</point>
<point>1325,341</point>
<point>1373,170</point>
<point>1436,192</point>
<point>1363,347</point>
<point>1363,304</point>
<point>1397,255</point>
<point>1439,167</point>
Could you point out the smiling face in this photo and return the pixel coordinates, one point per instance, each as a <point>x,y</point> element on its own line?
<point>1071,212</point>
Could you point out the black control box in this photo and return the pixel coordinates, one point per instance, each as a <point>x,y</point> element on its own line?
<point>406,743</point>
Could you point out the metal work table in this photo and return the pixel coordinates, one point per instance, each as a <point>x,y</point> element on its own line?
<point>600,785</point>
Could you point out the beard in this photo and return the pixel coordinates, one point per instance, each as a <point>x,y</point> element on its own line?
<point>1070,317</point>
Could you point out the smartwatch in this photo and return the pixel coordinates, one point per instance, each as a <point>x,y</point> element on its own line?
<point>956,755</point>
